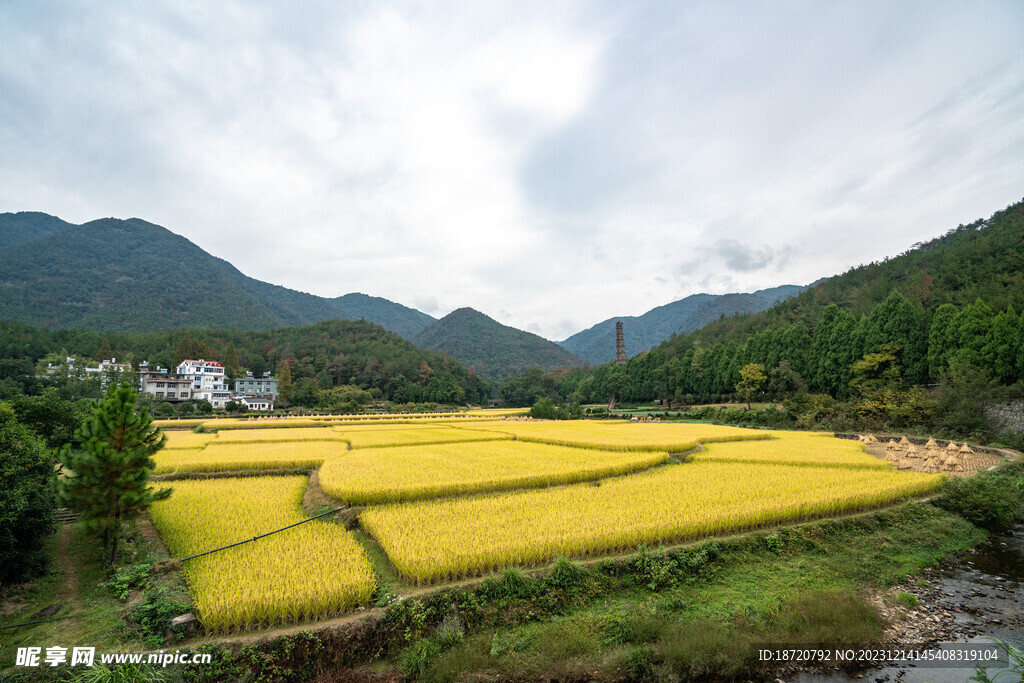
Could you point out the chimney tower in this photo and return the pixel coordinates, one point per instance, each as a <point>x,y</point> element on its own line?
<point>620,344</point>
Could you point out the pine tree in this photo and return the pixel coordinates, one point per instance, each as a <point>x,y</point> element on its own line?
<point>107,478</point>
<point>104,353</point>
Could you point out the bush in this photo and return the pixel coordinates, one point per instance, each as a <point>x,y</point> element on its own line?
<point>990,500</point>
<point>566,574</point>
<point>26,499</point>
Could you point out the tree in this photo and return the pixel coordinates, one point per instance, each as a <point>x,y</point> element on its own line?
<point>107,480</point>
<point>284,380</point>
<point>231,362</point>
<point>751,379</point>
<point>26,498</point>
<point>184,350</point>
<point>104,353</point>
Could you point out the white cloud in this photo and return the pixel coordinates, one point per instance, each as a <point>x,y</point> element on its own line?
<point>549,164</point>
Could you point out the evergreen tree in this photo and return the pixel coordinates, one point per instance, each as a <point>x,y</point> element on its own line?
<point>104,353</point>
<point>184,350</point>
<point>284,380</point>
<point>942,340</point>
<point>1000,352</point>
<point>107,480</point>
<point>231,362</point>
<point>200,350</point>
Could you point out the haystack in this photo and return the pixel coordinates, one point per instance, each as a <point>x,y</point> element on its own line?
<point>931,444</point>
<point>912,451</point>
<point>905,442</point>
<point>931,465</point>
<point>905,463</point>
<point>952,464</point>
<point>892,451</point>
<point>952,447</point>
<point>966,449</point>
<point>870,439</point>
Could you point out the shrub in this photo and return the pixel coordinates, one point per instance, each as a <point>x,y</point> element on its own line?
<point>990,500</point>
<point>566,574</point>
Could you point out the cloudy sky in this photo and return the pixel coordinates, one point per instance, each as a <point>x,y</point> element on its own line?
<point>550,164</point>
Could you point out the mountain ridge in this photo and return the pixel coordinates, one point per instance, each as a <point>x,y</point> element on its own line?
<point>597,343</point>
<point>491,349</point>
<point>131,275</point>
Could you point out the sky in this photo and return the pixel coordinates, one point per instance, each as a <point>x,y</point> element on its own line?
<point>551,164</point>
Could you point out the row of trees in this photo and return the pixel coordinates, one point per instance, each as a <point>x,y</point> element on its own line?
<point>823,359</point>
<point>319,366</point>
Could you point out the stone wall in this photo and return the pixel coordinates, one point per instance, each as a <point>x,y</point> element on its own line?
<point>1010,416</point>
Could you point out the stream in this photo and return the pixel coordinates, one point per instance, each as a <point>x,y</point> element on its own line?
<point>973,599</point>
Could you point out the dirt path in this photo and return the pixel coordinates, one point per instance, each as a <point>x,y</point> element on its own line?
<point>69,590</point>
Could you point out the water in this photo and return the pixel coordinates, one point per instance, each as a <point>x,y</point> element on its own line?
<point>984,591</point>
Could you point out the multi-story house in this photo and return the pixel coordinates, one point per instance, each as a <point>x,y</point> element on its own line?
<point>162,385</point>
<point>208,381</point>
<point>265,386</point>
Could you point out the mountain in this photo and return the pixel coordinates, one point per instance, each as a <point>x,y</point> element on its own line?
<point>134,276</point>
<point>27,225</point>
<point>491,349</point>
<point>597,344</point>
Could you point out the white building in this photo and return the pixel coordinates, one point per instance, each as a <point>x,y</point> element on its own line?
<point>208,381</point>
<point>255,402</point>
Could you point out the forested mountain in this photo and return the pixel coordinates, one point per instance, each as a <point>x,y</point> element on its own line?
<point>320,357</point>
<point>491,349</point>
<point>956,298</point>
<point>597,344</point>
<point>27,226</point>
<point>130,275</point>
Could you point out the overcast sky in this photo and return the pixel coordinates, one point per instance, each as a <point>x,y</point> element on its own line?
<point>550,164</point>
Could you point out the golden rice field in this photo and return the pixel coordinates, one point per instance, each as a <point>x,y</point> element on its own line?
<point>310,571</point>
<point>248,456</point>
<point>278,435</point>
<point>376,436</point>
<point>387,475</point>
<point>622,435</point>
<point>795,449</point>
<point>438,540</point>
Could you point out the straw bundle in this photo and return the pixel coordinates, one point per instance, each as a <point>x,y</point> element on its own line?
<point>952,464</point>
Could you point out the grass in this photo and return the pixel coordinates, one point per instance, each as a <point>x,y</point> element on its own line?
<point>94,611</point>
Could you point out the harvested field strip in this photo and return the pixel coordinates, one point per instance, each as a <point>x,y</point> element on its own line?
<point>311,571</point>
<point>439,540</point>
<point>386,475</point>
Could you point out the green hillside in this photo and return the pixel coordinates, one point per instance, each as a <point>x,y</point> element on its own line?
<point>329,354</point>
<point>491,349</point>
<point>130,275</point>
<point>952,300</point>
<point>597,344</point>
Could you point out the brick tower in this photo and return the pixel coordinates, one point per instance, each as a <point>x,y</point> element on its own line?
<point>620,344</point>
